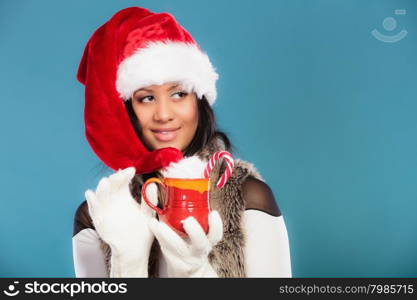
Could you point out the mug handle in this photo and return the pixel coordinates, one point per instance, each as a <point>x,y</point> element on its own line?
<point>150,180</point>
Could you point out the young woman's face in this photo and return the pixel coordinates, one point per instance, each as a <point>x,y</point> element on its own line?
<point>167,114</point>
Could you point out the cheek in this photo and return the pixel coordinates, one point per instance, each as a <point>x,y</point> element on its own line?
<point>142,115</point>
<point>190,114</point>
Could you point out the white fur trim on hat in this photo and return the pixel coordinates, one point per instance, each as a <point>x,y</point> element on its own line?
<point>162,62</point>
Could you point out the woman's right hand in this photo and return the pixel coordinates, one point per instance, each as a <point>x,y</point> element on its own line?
<point>122,222</point>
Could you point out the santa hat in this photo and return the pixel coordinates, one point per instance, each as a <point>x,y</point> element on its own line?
<point>134,49</point>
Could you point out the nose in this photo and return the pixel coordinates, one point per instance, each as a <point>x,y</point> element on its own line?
<point>163,111</point>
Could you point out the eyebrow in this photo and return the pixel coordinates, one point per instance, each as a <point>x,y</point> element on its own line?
<point>148,90</point>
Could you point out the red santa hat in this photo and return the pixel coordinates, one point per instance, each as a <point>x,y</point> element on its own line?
<point>134,49</point>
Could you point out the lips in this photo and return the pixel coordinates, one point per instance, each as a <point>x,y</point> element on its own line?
<point>165,134</point>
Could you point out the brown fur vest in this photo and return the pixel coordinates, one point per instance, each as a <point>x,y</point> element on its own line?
<point>227,257</point>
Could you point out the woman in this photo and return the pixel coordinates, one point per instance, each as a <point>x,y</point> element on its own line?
<point>149,88</point>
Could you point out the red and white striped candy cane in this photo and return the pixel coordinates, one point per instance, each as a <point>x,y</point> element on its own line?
<point>229,167</point>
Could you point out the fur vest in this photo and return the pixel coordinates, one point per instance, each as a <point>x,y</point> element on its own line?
<point>227,257</point>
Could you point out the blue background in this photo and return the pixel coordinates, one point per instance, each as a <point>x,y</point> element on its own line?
<point>325,111</point>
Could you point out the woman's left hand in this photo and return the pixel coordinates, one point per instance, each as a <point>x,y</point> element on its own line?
<point>189,257</point>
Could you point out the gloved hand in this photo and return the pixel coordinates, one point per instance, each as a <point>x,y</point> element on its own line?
<point>189,257</point>
<point>122,223</point>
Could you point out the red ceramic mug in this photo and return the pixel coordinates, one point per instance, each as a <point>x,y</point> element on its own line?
<point>184,198</point>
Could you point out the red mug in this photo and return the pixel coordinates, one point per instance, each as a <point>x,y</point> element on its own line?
<point>184,198</point>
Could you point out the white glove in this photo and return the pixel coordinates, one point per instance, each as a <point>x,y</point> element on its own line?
<point>189,257</point>
<point>123,223</point>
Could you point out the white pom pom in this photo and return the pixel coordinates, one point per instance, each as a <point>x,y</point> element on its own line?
<point>189,167</point>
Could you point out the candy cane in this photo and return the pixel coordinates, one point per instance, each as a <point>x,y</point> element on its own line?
<point>229,167</point>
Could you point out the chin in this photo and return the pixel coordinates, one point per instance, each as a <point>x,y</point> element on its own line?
<point>173,145</point>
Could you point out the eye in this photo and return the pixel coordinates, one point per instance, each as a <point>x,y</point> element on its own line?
<point>145,99</point>
<point>179,95</point>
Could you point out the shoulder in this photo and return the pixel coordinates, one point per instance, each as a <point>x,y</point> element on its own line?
<point>82,219</point>
<point>243,168</point>
<point>259,196</point>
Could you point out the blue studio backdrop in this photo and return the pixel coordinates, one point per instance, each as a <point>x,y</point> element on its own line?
<point>320,95</point>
